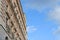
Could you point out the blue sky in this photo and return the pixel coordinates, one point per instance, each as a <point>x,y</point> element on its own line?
<point>42,19</point>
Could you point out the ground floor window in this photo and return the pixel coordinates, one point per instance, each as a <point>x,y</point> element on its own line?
<point>6,38</point>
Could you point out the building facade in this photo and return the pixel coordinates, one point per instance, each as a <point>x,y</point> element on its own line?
<point>12,20</point>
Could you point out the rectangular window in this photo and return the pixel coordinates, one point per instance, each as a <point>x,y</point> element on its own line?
<point>12,24</point>
<point>14,4</point>
<point>7,15</point>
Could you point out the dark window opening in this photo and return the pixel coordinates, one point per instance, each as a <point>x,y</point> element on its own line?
<point>7,15</point>
<point>7,18</point>
<point>15,30</point>
<point>20,38</point>
<point>6,38</point>
<point>7,6</point>
<point>17,34</point>
<point>12,24</point>
<point>14,5</point>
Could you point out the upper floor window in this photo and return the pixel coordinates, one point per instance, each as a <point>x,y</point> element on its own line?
<point>20,38</point>
<point>17,34</point>
<point>14,4</point>
<point>12,24</point>
<point>6,7</point>
<point>16,11</point>
<point>18,17</point>
<point>7,15</point>
<point>14,30</point>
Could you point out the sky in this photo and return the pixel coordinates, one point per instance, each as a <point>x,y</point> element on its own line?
<point>42,19</point>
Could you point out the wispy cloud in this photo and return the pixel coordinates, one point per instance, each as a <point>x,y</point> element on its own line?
<point>31,29</point>
<point>56,33</point>
<point>55,14</point>
<point>40,4</point>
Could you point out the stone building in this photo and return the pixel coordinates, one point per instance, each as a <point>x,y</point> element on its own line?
<point>12,21</point>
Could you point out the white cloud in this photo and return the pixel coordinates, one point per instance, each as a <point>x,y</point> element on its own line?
<point>55,14</point>
<point>31,29</point>
<point>56,33</point>
<point>40,4</point>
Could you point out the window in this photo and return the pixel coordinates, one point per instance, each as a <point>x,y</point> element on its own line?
<point>14,30</point>
<point>7,6</point>
<point>18,17</point>
<point>14,5</point>
<point>12,24</point>
<point>16,11</point>
<point>6,38</point>
<point>7,19</point>
<point>20,38</point>
<point>17,34</point>
<point>7,15</point>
